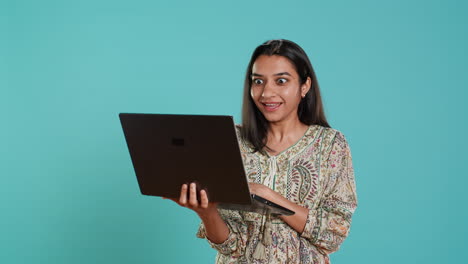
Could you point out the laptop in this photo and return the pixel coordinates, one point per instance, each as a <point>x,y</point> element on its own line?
<point>170,150</point>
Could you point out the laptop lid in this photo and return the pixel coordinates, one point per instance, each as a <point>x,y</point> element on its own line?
<point>170,150</point>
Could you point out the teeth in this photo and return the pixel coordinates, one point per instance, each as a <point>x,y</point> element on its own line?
<point>271,104</point>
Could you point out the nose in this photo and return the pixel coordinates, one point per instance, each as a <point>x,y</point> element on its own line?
<point>268,90</point>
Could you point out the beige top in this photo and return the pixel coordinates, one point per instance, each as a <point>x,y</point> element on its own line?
<point>316,173</point>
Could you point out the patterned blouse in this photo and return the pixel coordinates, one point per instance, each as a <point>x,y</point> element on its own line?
<point>316,173</point>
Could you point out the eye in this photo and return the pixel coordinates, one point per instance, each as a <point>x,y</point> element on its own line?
<point>257,81</point>
<point>282,81</point>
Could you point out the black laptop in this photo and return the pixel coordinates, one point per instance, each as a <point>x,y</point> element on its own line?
<point>170,150</point>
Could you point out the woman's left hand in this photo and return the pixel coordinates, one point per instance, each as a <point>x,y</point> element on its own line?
<point>296,221</point>
<point>261,190</point>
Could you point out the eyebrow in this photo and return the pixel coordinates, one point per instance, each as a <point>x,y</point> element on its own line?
<point>276,74</point>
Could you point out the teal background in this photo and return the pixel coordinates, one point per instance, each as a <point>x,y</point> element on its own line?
<point>394,81</point>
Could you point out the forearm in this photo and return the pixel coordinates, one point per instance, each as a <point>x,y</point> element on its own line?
<point>298,220</point>
<point>216,229</point>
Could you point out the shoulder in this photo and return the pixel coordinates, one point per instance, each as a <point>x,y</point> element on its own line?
<point>244,145</point>
<point>331,138</point>
<point>238,128</point>
<point>334,134</point>
<point>239,133</point>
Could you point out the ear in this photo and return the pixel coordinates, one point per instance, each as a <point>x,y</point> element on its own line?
<point>305,87</point>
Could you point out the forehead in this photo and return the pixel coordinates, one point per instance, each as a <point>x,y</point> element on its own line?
<point>268,65</point>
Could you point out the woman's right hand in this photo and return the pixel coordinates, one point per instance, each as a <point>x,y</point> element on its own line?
<point>201,205</point>
<point>216,229</point>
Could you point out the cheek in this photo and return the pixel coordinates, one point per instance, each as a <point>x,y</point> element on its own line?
<point>292,92</point>
<point>254,92</point>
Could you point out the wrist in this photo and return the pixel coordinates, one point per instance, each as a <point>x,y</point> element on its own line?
<point>269,194</point>
<point>208,214</point>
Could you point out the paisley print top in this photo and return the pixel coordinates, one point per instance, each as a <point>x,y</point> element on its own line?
<point>316,173</point>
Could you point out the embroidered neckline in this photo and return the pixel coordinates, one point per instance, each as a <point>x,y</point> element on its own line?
<point>309,132</point>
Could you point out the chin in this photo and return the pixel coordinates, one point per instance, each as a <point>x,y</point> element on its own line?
<point>277,117</point>
<point>272,119</point>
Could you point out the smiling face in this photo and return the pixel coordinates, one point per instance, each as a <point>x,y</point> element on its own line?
<point>276,88</point>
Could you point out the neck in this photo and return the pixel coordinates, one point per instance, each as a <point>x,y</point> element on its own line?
<point>286,131</point>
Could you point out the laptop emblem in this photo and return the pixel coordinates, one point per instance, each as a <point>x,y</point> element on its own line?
<point>178,142</point>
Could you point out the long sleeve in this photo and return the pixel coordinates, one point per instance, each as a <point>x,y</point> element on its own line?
<point>236,242</point>
<point>328,225</point>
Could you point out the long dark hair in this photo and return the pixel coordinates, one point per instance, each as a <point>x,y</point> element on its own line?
<point>310,110</point>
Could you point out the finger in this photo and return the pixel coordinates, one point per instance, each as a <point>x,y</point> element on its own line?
<point>204,199</point>
<point>252,187</point>
<point>193,195</point>
<point>183,195</point>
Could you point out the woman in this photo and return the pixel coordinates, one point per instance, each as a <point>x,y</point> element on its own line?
<point>293,158</point>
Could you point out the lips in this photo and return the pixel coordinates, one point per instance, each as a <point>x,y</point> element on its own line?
<point>271,106</point>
